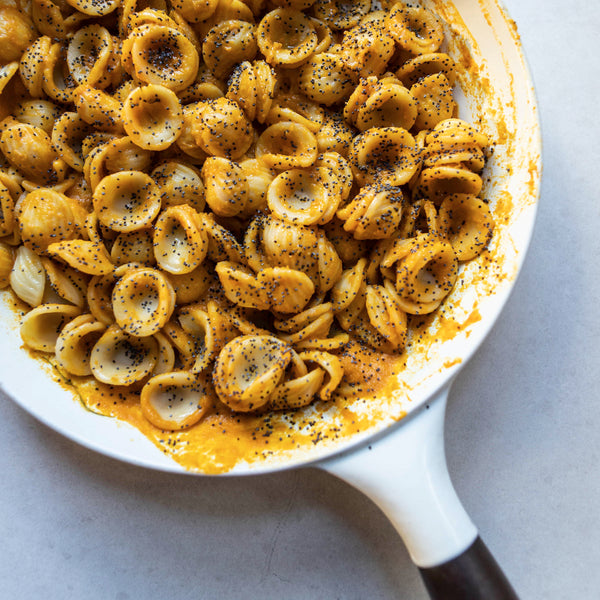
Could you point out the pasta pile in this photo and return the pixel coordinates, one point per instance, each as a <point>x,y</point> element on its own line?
<point>202,196</point>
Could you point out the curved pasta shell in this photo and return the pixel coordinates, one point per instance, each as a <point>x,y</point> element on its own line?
<point>243,89</point>
<point>222,244</point>
<point>95,8</point>
<point>435,101</point>
<point>89,53</point>
<point>133,246</point>
<point>416,29</point>
<point>175,400</point>
<point>74,344</point>
<point>325,78</point>
<point>28,276</point>
<point>85,256</point>
<point>298,392</point>
<point>153,117</point>
<point>386,315</point>
<point>438,182</point>
<point>7,205</point>
<point>331,364</point>
<point>241,286</point>
<point>368,48</point>
<point>427,64</point>
<point>69,284</point>
<point>143,300</point>
<point>179,183</point>
<point>126,201</point>
<point>190,287</point>
<point>287,145</point>
<point>329,264</point>
<point>121,359</point>
<point>226,187</point>
<point>227,44</point>
<point>287,290</point>
<point>41,326</point>
<point>46,217</point>
<point>467,223</point>
<point>180,241</point>
<point>31,65</point>
<point>286,37</point>
<point>248,369</point>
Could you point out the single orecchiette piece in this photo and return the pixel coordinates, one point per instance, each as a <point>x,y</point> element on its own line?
<point>227,44</point>
<point>332,366</point>
<point>143,300</point>
<point>287,290</point>
<point>16,34</point>
<point>89,54</point>
<point>305,197</point>
<point>427,64</point>
<point>226,188</point>
<point>28,276</point>
<point>179,183</point>
<point>152,117</point>
<point>118,358</point>
<point>241,286</point>
<point>46,216</point>
<point>367,48</point>
<point>162,55</point>
<point>174,400</point>
<point>248,370</point>
<point>41,326</point>
<point>325,78</point>
<point>286,37</point>
<point>386,315</point>
<point>467,223</point>
<point>126,201</point>
<point>312,323</point>
<point>415,29</point>
<point>348,296</point>
<point>75,342</point>
<point>426,269</point>
<point>98,108</point>
<point>374,213</point>
<point>133,246</point>
<point>83,255</point>
<point>39,113</point>
<point>287,145</point>
<point>384,154</point>
<point>434,98</point>
<point>180,240</point>
<point>218,128</point>
<point>68,283</point>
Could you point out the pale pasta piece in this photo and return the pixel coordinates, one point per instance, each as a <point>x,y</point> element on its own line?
<point>252,86</point>
<point>88,55</point>
<point>166,355</point>
<point>297,392</point>
<point>227,44</point>
<point>332,366</point>
<point>74,344</point>
<point>69,284</point>
<point>248,370</point>
<point>56,82</point>
<point>121,359</point>
<point>174,401</point>
<point>41,326</point>
<point>295,108</point>
<point>143,300</point>
<point>335,135</point>
<point>286,37</point>
<point>287,290</point>
<point>126,201</point>
<point>28,276</point>
<point>180,241</point>
<point>68,132</point>
<point>39,113</point>
<point>467,223</point>
<point>152,117</point>
<point>258,179</point>
<point>312,323</point>
<point>441,181</point>
<point>190,287</point>
<point>415,29</point>
<point>241,286</point>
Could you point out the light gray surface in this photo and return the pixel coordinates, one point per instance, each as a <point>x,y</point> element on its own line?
<point>522,433</point>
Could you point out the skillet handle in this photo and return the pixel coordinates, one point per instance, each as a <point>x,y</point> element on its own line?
<point>404,472</point>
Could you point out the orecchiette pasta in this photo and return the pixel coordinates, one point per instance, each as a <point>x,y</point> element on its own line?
<point>209,205</point>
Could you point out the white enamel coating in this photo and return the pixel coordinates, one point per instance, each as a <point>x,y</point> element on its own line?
<point>405,474</point>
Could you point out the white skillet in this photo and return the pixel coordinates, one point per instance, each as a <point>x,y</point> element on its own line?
<point>400,465</point>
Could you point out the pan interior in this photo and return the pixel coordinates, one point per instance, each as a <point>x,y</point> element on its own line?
<point>496,93</point>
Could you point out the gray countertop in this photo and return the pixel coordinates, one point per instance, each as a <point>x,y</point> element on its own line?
<point>523,438</point>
